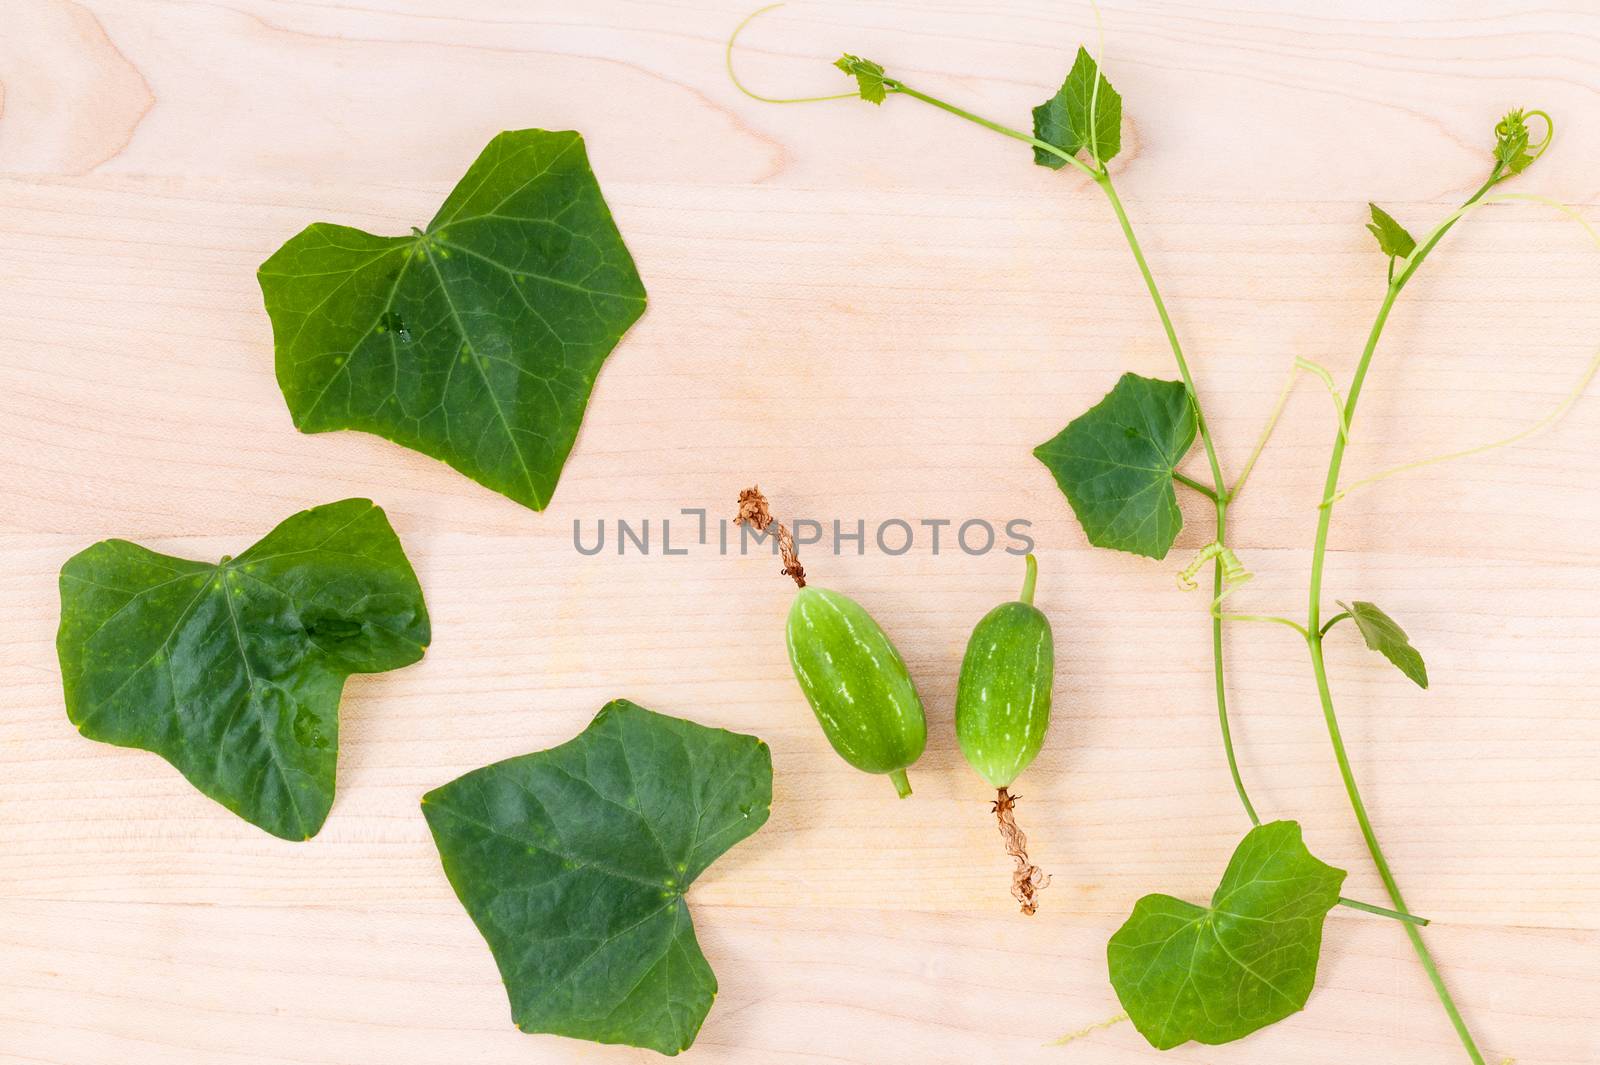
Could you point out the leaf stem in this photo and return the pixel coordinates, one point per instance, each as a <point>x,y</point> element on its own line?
<point>1221,676</point>
<point>1220,497</point>
<point>1384,872</point>
<point>1103,179</point>
<point>1383,911</point>
<point>1314,616</point>
<point>1199,486</point>
<point>895,85</point>
<point>1331,622</point>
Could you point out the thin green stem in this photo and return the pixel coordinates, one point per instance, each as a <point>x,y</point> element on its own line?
<point>1314,618</point>
<point>1378,859</point>
<point>1219,497</point>
<point>1383,911</point>
<point>895,85</point>
<point>1028,580</point>
<point>1103,179</point>
<point>1331,622</point>
<point>1221,677</point>
<point>1199,486</point>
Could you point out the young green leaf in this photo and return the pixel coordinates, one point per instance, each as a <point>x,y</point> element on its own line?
<point>1388,639</point>
<point>573,863</point>
<point>232,671</point>
<point>1077,117</point>
<point>1511,142</point>
<point>1217,973</point>
<point>868,75</point>
<point>476,341</point>
<point>1393,239</point>
<point>1115,463</point>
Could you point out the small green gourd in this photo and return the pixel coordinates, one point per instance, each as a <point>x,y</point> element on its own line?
<point>1003,710</point>
<point>848,669</point>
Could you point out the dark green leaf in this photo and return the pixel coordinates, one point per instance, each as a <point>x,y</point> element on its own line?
<point>1217,973</point>
<point>1077,117</point>
<point>868,75</point>
<point>232,672</point>
<point>1392,236</point>
<point>573,863</point>
<point>1388,639</point>
<point>476,342</point>
<point>1115,464</point>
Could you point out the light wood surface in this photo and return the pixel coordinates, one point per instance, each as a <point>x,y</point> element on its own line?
<point>874,313</point>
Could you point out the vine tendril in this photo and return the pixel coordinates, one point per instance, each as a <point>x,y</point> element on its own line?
<point>1234,574</point>
<point>733,77</point>
<point>1300,366</point>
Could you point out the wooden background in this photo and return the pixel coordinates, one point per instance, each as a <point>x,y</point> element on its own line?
<point>875,313</point>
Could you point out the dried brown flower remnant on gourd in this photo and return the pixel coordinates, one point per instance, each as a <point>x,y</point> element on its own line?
<point>1027,879</point>
<point>753,511</point>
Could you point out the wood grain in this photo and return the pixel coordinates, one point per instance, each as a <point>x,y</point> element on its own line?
<point>876,313</point>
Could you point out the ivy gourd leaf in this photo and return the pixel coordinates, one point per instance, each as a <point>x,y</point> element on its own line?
<point>868,75</point>
<point>1217,973</point>
<point>1386,637</point>
<point>476,341</point>
<point>232,671</point>
<point>1116,460</point>
<point>1392,236</point>
<point>573,863</point>
<point>1065,120</point>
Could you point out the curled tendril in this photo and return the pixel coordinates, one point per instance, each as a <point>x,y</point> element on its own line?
<point>1234,575</point>
<point>742,87</point>
<point>1537,148</point>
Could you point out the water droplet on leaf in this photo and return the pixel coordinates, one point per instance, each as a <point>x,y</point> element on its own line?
<point>308,730</point>
<point>392,321</point>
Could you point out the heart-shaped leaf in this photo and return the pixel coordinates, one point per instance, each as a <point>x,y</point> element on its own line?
<point>1078,117</point>
<point>1386,637</point>
<point>1217,973</point>
<point>1116,460</point>
<point>573,862</point>
<point>476,341</point>
<point>232,671</point>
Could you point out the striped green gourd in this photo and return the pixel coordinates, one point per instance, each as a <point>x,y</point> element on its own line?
<point>847,667</point>
<point>857,684</point>
<point>1003,710</point>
